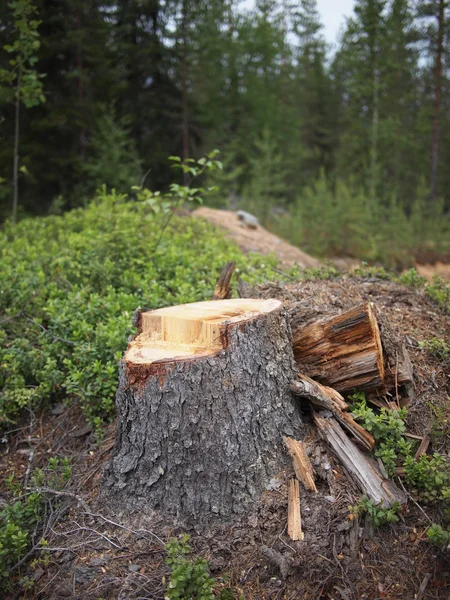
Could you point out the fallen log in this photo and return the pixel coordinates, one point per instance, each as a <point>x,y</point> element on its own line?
<point>343,352</point>
<point>325,397</point>
<point>302,466</point>
<point>203,404</point>
<point>364,471</point>
<point>294,516</point>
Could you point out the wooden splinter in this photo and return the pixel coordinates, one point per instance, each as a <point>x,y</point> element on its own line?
<point>302,466</point>
<point>294,516</point>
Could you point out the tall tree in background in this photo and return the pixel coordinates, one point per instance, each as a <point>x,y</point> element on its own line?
<point>22,74</point>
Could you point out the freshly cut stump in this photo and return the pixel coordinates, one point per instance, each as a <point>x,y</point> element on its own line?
<point>203,403</point>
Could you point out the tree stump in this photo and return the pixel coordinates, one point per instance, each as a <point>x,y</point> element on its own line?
<point>203,404</point>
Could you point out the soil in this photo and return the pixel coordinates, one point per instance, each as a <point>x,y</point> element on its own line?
<point>262,241</point>
<point>256,240</point>
<point>121,556</point>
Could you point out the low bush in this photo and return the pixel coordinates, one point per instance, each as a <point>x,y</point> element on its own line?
<point>69,285</point>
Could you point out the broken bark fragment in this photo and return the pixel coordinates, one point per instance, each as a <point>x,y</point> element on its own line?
<point>294,516</point>
<point>364,471</point>
<point>222,290</point>
<point>325,397</point>
<point>302,466</point>
<point>343,352</point>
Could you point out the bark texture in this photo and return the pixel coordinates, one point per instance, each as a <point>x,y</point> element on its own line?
<point>201,438</point>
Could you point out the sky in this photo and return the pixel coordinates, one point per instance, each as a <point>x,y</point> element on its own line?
<point>333,13</point>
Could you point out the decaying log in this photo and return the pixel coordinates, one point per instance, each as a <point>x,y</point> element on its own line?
<point>361,468</point>
<point>294,516</point>
<point>222,290</point>
<point>343,352</point>
<point>300,461</point>
<point>204,402</point>
<point>325,397</point>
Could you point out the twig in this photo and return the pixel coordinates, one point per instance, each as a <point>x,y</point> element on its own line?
<point>136,532</point>
<point>412,499</point>
<point>55,337</point>
<point>45,490</point>
<point>423,586</point>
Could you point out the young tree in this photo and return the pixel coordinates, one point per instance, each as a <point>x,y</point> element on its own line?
<point>22,74</point>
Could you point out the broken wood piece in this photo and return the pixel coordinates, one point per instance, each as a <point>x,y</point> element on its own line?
<point>222,290</point>
<point>319,394</point>
<point>423,446</point>
<point>325,397</point>
<point>364,471</point>
<point>294,516</point>
<point>343,352</point>
<point>302,466</point>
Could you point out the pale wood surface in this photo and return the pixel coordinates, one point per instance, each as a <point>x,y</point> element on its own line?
<point>191,330</point>
<point>302,466</point>
<point>294,516</point>
<point>364,471</point>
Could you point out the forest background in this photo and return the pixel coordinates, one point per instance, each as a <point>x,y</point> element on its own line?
<point>342,153</point>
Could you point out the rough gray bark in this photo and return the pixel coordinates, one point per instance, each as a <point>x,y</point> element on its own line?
<point>200,439</point>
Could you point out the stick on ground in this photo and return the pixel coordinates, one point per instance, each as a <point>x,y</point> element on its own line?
<point>294,517</point>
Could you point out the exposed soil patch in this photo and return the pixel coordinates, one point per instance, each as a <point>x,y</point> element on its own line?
<point>121,556</point>
<point>256,240</point>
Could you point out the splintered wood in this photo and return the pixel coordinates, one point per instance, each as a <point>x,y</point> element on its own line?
<point>363,471</point>
<point>325,397</point>
<point>222,290</point>
<point>343,352</point>
<point>302,466</point>
<point>294,516</point>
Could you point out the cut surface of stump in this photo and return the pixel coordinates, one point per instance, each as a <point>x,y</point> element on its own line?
<point>203,403</point>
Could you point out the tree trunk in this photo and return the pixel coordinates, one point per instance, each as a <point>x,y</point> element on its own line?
<point>16,149</point>
<point>204,403</point>
<point>437,100</point>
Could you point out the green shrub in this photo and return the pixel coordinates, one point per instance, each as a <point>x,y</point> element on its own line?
<point>189,578</point>
<point>69,285</point>
<point>376,513</point>
<point>23,517</point>
<point>436,347</point>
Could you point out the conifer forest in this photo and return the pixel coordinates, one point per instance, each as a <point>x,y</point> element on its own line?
<point>343,150</point>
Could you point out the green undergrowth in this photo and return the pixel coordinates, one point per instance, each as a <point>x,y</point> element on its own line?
<point>427,478</point>
<point>69,285</point>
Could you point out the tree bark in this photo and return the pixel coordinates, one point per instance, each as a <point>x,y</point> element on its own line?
<point>200,433</point>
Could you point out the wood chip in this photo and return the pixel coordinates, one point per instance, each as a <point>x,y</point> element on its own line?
<point>301,463</point>
<point>294,516</point>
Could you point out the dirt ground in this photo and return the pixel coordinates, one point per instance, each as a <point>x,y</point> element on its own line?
<point>256,240</point>
<point>262,241</point>
<point>121,556</point>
